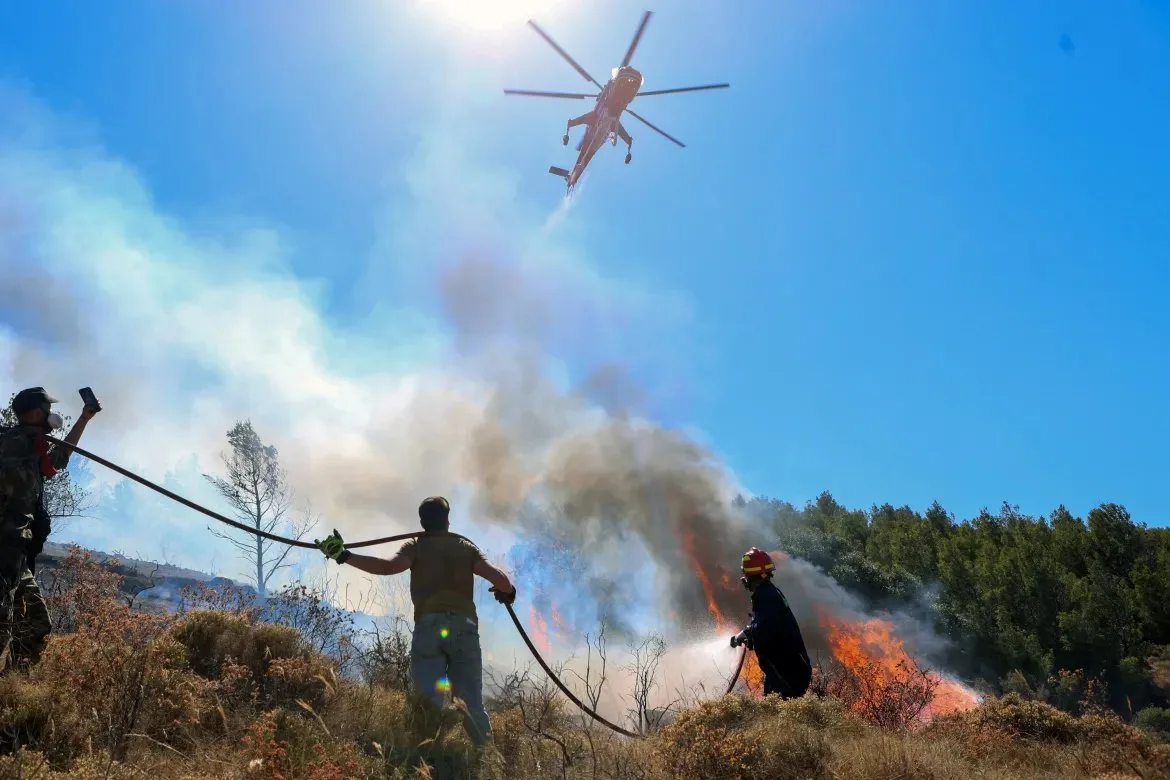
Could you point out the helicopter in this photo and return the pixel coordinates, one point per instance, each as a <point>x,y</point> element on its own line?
<point>603,123</point>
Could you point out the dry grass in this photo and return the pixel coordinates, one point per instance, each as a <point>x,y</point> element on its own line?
<point>216,694</point>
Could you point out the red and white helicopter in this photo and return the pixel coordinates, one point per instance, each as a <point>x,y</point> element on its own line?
<point>603,123</point>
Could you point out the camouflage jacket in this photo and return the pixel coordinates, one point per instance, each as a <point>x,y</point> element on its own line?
<point>21,482</point>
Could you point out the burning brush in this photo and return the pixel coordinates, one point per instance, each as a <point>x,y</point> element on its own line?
<point>870,670</point>
<point>878,679</point>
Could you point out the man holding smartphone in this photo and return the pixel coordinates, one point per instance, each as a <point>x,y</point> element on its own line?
<point>27,460</point>
<point>444,650</point>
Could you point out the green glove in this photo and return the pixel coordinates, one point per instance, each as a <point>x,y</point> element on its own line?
<point>333,547</point>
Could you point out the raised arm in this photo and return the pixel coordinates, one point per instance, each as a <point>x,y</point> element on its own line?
<point>334,547</point>
<point>58,455</point>
<point>371,565</point>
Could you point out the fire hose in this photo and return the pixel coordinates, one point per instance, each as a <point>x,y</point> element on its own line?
<point>369,543</point>
<point>738,669</point>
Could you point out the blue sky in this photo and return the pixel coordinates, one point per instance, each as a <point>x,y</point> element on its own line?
<point>918,251</point>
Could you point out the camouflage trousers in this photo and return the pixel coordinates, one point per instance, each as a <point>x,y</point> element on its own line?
<point>24,616</point>
<point>31,620</point>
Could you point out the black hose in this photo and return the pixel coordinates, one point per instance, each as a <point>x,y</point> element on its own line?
<point>738,669</point>
<point>552,676</point>
<point>368,543</point>
<point>216,515</point>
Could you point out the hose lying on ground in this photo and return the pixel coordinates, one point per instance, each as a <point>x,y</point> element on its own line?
<point>368,543</point>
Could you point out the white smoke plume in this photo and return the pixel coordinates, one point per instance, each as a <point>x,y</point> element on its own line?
<point>522,394</point>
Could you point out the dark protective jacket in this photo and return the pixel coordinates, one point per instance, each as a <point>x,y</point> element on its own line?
<point>776,639</point>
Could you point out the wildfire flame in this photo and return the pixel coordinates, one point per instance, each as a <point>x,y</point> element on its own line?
<point>539,632</point>
<point>751,674</point>
<point>858,646</point>
<point>872,647</point>
<point>559,626</point>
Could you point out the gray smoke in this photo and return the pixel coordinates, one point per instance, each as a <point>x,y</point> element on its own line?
<point>620,489</point>
<point>576,466</point>
<point>536,421</point>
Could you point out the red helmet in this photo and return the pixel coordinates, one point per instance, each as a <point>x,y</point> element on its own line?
<point>756,563</point>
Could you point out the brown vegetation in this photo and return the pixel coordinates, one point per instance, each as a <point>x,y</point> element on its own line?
<point>215,692</point>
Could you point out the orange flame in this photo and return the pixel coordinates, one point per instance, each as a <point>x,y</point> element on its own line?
<point>751,674</point>
<point>559,626</point>
<point>869,645</point>
<point>539,632</point>
<point>872,649</point>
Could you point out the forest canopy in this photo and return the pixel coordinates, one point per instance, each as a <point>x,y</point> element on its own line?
<point>1029,601</point>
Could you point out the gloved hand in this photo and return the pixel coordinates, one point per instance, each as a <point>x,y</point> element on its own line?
<point>742,638</point>
<point>504,598</point>
<point>333,547</point>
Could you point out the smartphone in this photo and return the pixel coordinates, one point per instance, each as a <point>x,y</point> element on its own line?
<point>89,399</point>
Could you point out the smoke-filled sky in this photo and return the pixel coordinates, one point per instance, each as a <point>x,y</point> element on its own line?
<point>913,253</point>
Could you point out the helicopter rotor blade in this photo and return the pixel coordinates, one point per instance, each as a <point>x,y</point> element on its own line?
<point>658,130</point>
<point>562,52</point>
<point>681,89</point>
<point>533,93</point>
<point>637,37</point>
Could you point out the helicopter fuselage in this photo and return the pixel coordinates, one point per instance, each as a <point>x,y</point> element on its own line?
<point>615,96</point>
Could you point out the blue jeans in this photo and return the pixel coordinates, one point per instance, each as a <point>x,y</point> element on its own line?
<point>445,656</point>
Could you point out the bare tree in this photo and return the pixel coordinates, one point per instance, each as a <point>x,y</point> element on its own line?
<point>594,682</point>
<point>541,710</point>
<point>63,497</point>
<point>385,656</point>
<point>313,610</point>
<point>258,493</point>
<point>594,678</point>
<point>133,583</point>
<point>647,655</point>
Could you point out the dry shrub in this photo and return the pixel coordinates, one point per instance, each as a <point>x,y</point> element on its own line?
<point>385,659</point>
<point>513,741</point>
<point>31,719</point>
<point>33,765</point>
<point>1015,731</point>
<point>117,673</point>
<point>882,756</point>
<point>1159,761</point>
<point>747,738</point>
<point>890,697</point>
<point>222,596</point>
<point>252,662</point>
<point>740,710</point>
<point>1010,717</point>
<point>527,749</point>
<point>279,746</point>
<point>402,730</point>
<point>78,588</point>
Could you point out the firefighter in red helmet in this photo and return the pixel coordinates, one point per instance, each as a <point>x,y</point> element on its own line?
<point>773,634</point>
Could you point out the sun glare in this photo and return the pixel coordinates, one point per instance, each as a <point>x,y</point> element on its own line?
<point>489,16</point>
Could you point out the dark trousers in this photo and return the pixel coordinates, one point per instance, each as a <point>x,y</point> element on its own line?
<point>787,677</point>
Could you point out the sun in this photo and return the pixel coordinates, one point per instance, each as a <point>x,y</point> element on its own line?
<point>488,16</point>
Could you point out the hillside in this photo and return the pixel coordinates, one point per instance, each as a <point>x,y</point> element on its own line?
<point>156,586</point>
<point>217,693</point>
<point>1057,617</point>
